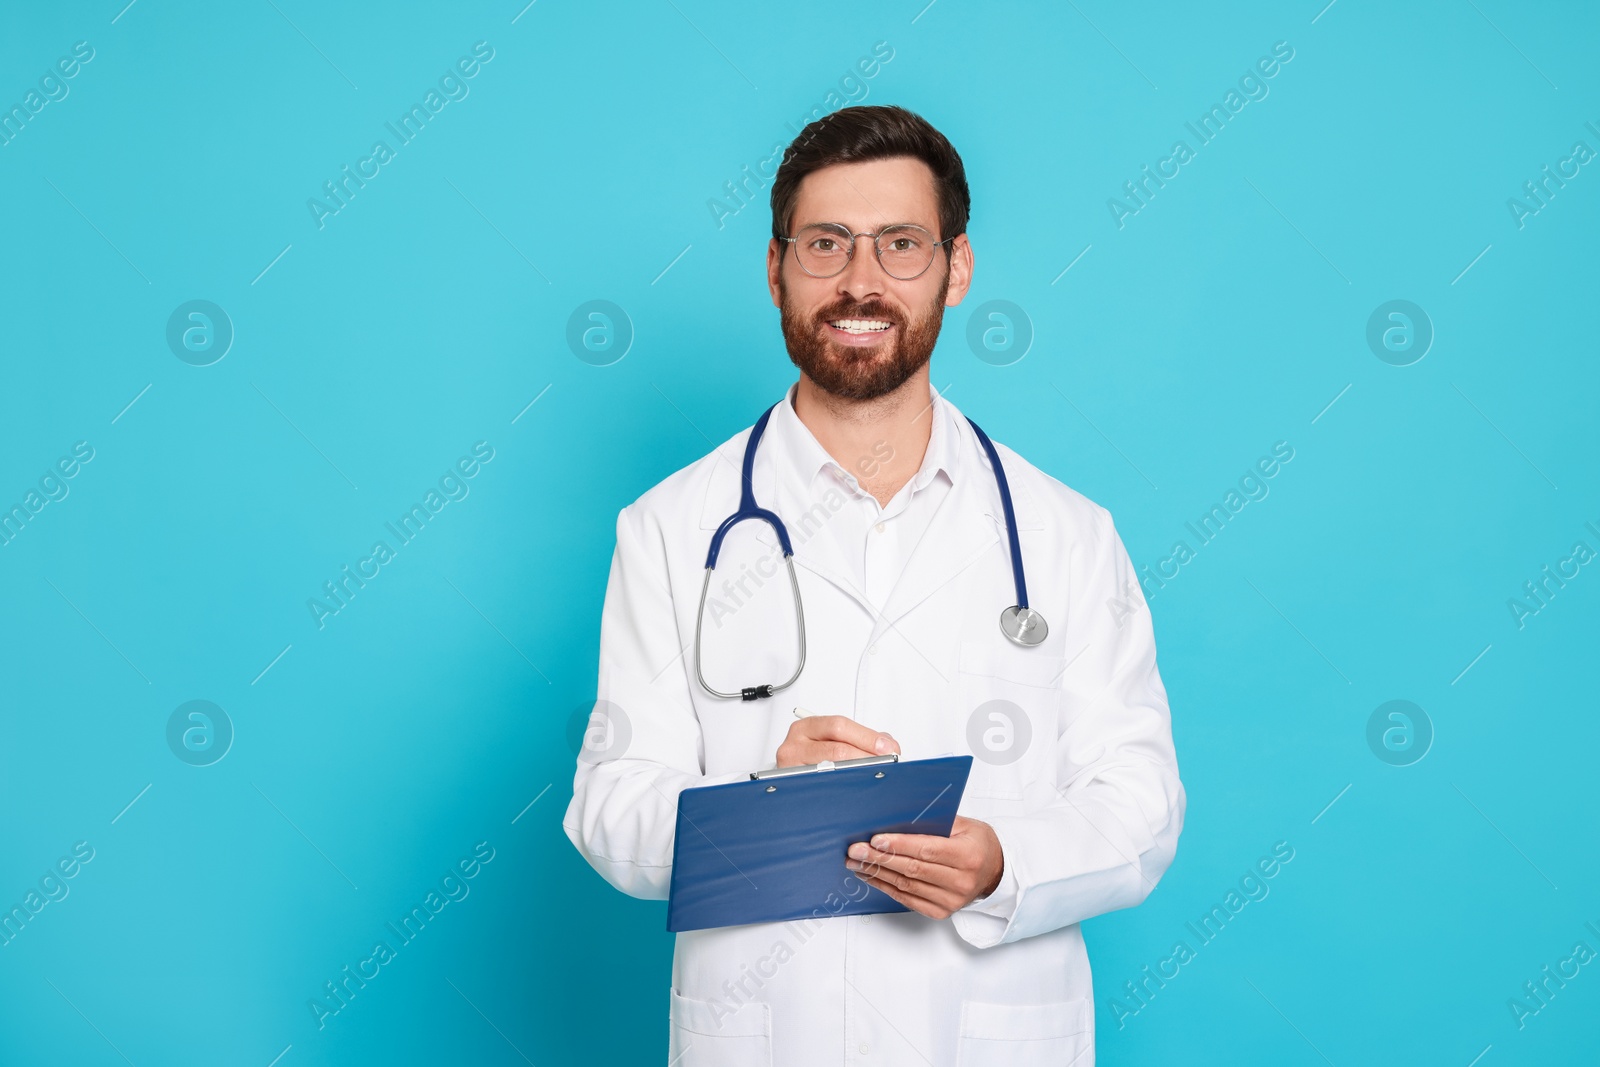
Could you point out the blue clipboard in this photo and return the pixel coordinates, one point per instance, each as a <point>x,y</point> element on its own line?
<point>773,849</point>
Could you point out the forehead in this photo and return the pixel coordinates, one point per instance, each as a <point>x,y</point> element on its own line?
<point>866,195</point>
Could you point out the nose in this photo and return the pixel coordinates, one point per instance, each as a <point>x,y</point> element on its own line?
<point>864,276</point>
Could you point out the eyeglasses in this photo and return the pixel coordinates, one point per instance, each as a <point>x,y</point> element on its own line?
<point>824,249</point>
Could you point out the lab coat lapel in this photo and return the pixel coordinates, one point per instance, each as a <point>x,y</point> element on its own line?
<point>968,524</point>
<point>960,531</point>
<point>818,548</point>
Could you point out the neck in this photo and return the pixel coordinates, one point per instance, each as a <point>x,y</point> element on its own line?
<point>880,441</point>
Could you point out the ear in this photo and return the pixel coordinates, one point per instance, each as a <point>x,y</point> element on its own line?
<point>775,250</point>
<point>961,266</point>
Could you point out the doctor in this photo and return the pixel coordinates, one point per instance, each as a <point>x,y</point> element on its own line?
<point>902,562</point>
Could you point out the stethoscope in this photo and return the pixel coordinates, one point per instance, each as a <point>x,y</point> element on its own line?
<point>1020,623</point>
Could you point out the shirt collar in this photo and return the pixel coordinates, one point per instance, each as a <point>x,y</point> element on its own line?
<point>805,458</point>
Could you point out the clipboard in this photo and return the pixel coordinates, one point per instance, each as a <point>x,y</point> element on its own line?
<point>773,848</point>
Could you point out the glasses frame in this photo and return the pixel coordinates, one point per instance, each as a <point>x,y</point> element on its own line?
<point>850,251</point>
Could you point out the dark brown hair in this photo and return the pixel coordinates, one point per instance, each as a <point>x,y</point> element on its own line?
<point>858,134</point>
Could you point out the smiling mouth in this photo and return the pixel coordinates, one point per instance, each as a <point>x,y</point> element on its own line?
<point>860,326</point>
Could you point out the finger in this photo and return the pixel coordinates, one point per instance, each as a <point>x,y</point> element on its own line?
<point>834,750</point>
<point>842,728</point>
<point>876,863</point>
<point>930,848</point>
<point>810,752</point>
<point>957,879</point>
<point>921,897</point>
<point>915,903</point>
<point>798,750</point>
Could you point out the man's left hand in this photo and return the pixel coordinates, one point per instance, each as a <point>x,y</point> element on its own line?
<point>936,876</point>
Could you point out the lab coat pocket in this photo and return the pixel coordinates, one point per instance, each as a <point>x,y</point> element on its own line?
<point>711,1034</point>
<point>1009,697</point>
<point>1026,1035</point>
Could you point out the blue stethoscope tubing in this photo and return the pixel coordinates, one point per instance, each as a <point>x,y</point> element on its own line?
<point>1019,623</point>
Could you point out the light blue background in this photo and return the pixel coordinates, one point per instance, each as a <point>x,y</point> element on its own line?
<point>425,316</point>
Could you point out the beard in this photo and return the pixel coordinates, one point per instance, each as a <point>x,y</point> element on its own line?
<point>866,372</point>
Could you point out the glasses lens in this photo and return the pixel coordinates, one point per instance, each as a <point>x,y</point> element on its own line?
<point>905,251</point>
<point>823,249</point>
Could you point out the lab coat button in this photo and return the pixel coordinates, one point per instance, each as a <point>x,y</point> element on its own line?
<point>879,527</point>
<point>863,1048</point>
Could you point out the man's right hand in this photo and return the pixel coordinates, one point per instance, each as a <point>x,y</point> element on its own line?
<point>815,738</point>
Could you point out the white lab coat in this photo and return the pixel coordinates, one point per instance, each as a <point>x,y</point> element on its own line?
<point>1088,817</point>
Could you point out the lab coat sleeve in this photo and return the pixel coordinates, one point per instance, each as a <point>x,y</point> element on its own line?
<point>623,812</point>
<point>1003,901</point>
<point>1110,829</point>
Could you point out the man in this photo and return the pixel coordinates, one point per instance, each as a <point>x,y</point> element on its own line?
<point>1074,805</point>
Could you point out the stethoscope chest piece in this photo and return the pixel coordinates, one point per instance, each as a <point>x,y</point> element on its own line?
<point>1023,626</point>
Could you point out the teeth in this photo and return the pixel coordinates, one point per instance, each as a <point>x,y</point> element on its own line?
<point>862,325</point>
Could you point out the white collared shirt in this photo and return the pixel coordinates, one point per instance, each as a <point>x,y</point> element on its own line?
<point>876,539</point>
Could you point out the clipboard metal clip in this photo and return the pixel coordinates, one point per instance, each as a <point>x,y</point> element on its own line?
<point>825,765</point>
